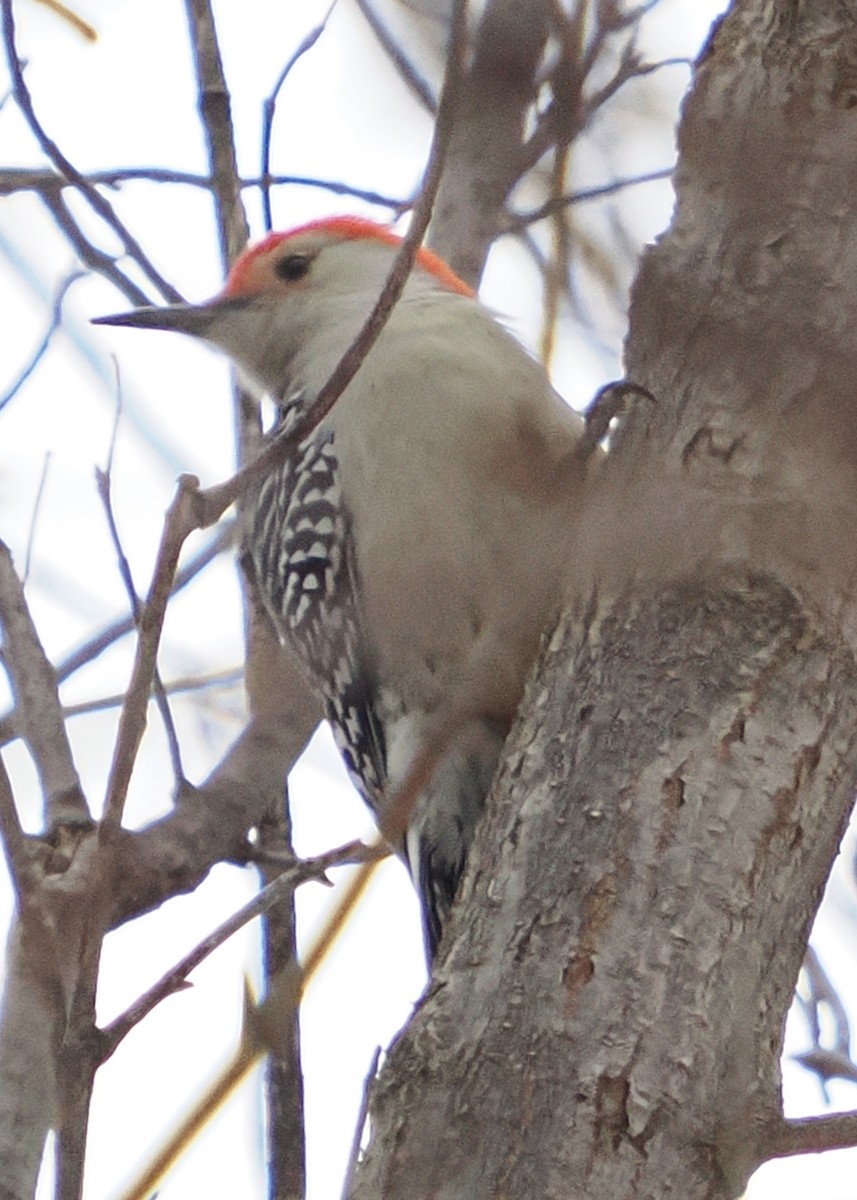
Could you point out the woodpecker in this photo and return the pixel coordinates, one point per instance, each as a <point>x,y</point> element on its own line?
<point>414,547</point>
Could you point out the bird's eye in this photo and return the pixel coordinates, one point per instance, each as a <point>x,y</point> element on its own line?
<point>292,267</point>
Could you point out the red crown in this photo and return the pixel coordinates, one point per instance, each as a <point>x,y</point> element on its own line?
<point>348,229</point>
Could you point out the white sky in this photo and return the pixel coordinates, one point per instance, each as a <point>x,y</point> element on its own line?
<point>129,101</point>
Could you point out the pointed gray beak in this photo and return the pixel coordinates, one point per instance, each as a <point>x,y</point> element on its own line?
<point>192,319</point>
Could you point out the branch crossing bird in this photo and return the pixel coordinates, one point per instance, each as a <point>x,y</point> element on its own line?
<point>414,547</point>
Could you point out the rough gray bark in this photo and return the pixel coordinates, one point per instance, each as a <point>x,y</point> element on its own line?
<point>44,954</point>
<point>607,1019</point>
<point>30,1029</point>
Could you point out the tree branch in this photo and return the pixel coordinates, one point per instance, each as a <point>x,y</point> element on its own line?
<point>223,538</point>
<point>54,322</point>
<point>32,179</point>
<point>103,480</point>
<point>35,686</point>
<point>280,889</point>
<point>179,523</point>
<point>14,840</point>
<point>96,201</point>
<point>408,72</point>
<point>519,221</point>
<point>269,111</point>
<point>89,254</point>
<point>812,1135</point>
<point>215,111</point>
<point>485,146</point>
<point>284,1086</point>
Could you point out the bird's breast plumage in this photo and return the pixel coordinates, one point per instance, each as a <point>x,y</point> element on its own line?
<point>414,544</point>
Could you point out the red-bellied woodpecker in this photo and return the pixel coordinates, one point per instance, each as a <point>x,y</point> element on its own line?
<point>413,548</point>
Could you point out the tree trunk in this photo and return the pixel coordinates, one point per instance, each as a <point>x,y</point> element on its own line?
<point>607,1018</point>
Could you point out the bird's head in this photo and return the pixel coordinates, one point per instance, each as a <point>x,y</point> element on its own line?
<point>295,296</point>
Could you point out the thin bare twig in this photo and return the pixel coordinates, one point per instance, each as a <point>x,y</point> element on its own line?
<point>557,269</point>
<point>629,68</point>
<point>179,523</point>
<point>360,1124</point>
<point>265,1020</point>
<point>615,16</point>
<point>396,205</point>
<point>822,994</point>
<point>41,179</point>
<point>570,111</point>
<point>89,254</point>
<point>279,890</point>
<point>826,1062</point>
<point>11,725</point>
<point>91,649</point>
<point>350,854</point>
<point>32,179</point>
<point>269,111</point>
<point>35,687</point>
<point>560,122</point>
<point>37,355</point>
<point>72,18</point>
<point>96,201</point>
<point>229,678</point>
<point>37,506</point>
<point>519,221</point>
<point>262,1021</point>
<point>103,479</point>
<point>420,87</point>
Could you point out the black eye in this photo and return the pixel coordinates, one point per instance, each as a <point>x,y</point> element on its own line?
<point>292,267</point>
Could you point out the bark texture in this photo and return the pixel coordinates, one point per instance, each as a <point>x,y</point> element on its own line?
<point>30,1030</point>
<point>607,1020</point>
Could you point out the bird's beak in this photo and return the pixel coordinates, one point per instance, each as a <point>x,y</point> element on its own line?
<point>193,319</point>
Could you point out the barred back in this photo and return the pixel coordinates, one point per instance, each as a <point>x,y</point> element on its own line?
<point>303,560</point>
